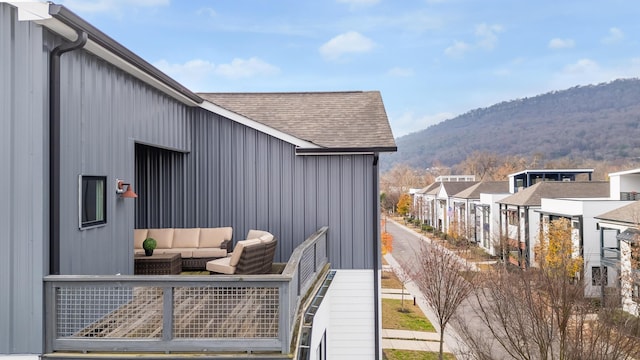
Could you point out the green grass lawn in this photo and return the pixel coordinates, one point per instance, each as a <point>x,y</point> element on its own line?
<point>411,319</point>
<point>393,354</point>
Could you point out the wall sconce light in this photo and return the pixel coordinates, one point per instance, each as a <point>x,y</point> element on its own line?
<point>128,193</point>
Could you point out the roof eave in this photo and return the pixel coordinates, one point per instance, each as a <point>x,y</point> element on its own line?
<point>345,150</point>
<point>100,41</point>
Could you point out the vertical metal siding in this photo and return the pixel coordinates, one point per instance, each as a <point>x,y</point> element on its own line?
<point>250,180</point>
<point>23,221</point>
<point>104,113</point>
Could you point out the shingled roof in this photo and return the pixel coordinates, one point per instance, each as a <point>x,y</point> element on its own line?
<point>454,187</point>
<point>626,214</point>
<point>428,188</point>
<point>490,187</point>
<point>532,195</point>
<point>333,120</point>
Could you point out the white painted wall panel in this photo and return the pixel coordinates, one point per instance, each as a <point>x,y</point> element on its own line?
<point>351,334</point>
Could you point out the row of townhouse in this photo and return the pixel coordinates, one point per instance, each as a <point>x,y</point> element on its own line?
<point>604,216</point>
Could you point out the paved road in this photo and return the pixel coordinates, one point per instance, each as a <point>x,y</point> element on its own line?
<point>406,247</point>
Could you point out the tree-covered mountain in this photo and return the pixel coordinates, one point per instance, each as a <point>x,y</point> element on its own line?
<point>595,122</point>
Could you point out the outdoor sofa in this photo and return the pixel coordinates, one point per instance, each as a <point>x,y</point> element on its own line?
<point>251,256</point>
<point>196,246</point>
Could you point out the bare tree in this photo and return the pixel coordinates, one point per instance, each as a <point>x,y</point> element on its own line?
<point>404,278</point>
<point>528,322</point>
<point>542,313</point>
<point>479,163</point>
<point>439,276</point>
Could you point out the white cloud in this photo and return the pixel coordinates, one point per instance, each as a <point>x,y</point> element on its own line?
<point>583,66</point>
<point>207,11</point>
<point>486,38</point>
<point>409,122</point>
<point>191,74</point>
<point>458,49</point>
<point>400,72</point>
<point>488,35</point>
<point>198,75</point>
<point>615,35</point>
<point>240,68</point>
<point>349,42</point>
<point>99,6</point>
<point>557,43</point>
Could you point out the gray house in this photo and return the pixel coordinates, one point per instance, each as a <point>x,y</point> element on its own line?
<point>80,113</point>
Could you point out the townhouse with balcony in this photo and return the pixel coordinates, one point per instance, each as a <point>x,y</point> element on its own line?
<point>423,203</point>
<point>444,216</point>
<point>467,214</point>
<point>525,178</point>
<point>620,252</point>
<point>83,114</point>
<point>586,236</point>
<point>619,240</point>
<point>487,222</point>
<point>520,222</point>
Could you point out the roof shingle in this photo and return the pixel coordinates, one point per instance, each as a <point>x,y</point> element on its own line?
<point>490,187</point>
<point>626,214</point>
<point>354,119</point>
<point>532,195</point>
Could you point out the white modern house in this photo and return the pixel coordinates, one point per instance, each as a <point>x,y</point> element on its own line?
<point>423,203</point>
<point>487,221</point>
<point>620,252</point>
<point>528,177</point>
<point>581,214</point>
<point>625,185</point>
<point>619,238</point>
<point>465,210</point>
<point>444,214</point>
<point>520,222</point>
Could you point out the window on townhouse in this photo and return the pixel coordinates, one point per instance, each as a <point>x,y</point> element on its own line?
<point>93,201</point>
<point>597,277</point>
<point>512,217</point>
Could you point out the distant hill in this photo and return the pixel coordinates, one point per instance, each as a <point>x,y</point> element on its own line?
<point>595,122</point>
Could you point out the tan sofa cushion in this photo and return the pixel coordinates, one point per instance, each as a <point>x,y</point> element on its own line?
<point>213,237</point>
<point>138,237</point>
<point>266,238</point>
<point>237,251</point>
<point>164,237</point>
<point>186,238</point>
<point>208,253</point>
<point>254,234</point>
<point>221,266</point>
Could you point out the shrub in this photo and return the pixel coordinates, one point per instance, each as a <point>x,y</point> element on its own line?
<point>149,244</point>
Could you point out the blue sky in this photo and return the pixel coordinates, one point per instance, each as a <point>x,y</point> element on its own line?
<point>430,59</point>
